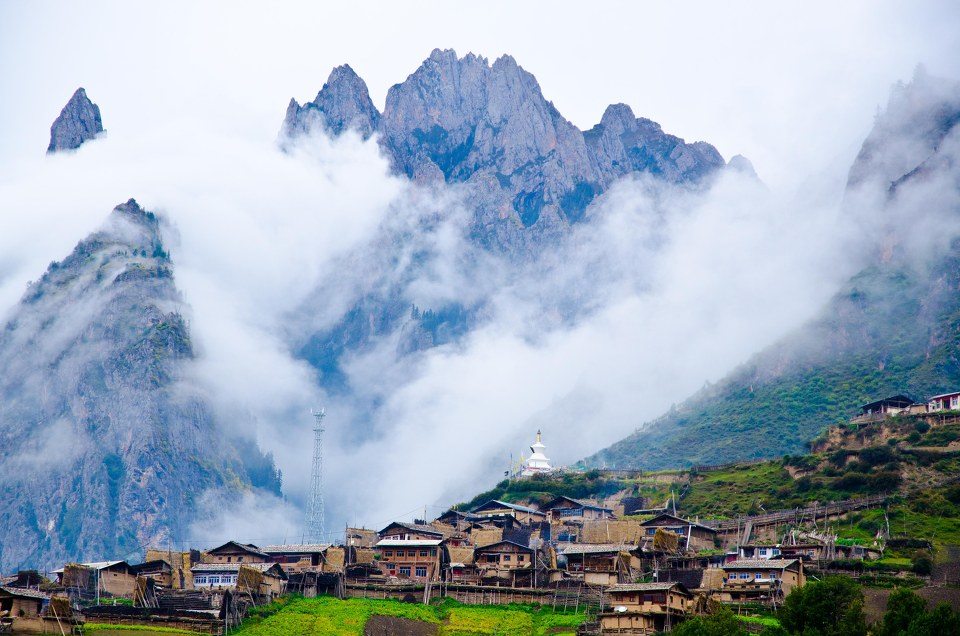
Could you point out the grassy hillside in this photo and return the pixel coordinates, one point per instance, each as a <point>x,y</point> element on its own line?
<point>327,616</point>
<point>895,329</point>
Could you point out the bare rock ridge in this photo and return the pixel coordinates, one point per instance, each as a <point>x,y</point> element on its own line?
<point>464,120</point>
<point>79,121</point>
<point>104,447</point>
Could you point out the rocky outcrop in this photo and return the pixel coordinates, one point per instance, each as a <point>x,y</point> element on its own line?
<point>530,172</point>
<point>79,121</point>
<point>343,103</point>
<point>104,448</point>
<point>623,143</point>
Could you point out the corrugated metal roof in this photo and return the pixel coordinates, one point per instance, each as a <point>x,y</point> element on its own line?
<point>297,548</point>
<point>408,543</point>
<point>510,506</point>
<point>759,564</point>
<point>646,587</point>
<point>597,548</point>
<point>230,567</point>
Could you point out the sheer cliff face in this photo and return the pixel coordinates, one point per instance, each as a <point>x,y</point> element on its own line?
<point>79,121</point>
<point>892,329</point>
<point>102,447</point>
<point>530,172</point>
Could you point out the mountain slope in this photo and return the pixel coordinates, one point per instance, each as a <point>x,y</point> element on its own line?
<point>79,121</point>
<point>894,328</point>
<point>103,447</point>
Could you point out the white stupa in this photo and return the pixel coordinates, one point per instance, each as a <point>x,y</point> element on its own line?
<point>537,463</point>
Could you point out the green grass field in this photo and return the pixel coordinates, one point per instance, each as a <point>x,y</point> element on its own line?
<point>327,616</point>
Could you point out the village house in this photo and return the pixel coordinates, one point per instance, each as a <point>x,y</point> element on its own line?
<point>693,535</point>
<point>409,551</point>
<point>18,602</point>
<point>760,580</point>
<point>645,608</point>
<point>887,407</point>
<point>234,552</point>
<point>298,557</point>
<point>601,564</point>
<point>944,402</point>
<point>495,507</point>
<point>564,508</point>
<point>103,577</point>
<point>504,555</point>
<point>159,570</point>
<point>265,579</point>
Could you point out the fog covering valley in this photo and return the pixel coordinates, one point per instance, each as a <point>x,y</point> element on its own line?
<point>439,318</point>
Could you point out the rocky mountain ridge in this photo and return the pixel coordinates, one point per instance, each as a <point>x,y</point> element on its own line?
<point>105,446</point>
<point>531,172</point>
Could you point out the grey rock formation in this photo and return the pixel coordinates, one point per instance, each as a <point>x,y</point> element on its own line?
<point>530,172</point>
<point>343,103</point>
<point>79,121</point>
<point>623,143</point>
<point>104,448</point>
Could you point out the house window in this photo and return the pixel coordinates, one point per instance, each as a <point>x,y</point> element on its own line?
<point>744,576</point>
<point>763,552</point>
<point>200,580</point>
<point>506,557</point>
<point>423,553</point>
<point>214,580</point>
<point>404,570</point>
<point>229,559</point>
<point>421,571</point>
<point>433,551</point>
<point>520,558</point>
<point>388,553</point>
<point>758,576</point>
<point>239,559</point>
<point>491,558</point>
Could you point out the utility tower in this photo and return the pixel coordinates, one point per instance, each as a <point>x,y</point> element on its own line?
<point>315,512</point>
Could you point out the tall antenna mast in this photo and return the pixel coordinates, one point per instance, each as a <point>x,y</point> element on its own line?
<point>315,511</point>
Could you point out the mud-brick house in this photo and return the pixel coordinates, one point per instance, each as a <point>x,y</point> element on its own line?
<point>16,602</point>
<point>159,570</point>
<point>264,579</point>
<point>505,560</point>
<point>495,508</point>
<point>298,557</point>
<point>760,580</point>
<point>235,552</point>
<point>645,608</point>
<point>564,508</point>
<point>693,535</point>
<point>106,577</point>
<point>601,564</point>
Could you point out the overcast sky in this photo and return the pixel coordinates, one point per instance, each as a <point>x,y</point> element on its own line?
<point>792,85</point>
<point>193,94</point>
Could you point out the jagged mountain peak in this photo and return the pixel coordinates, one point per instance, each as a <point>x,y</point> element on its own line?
<point>78,122</point>
<point>342,103</point>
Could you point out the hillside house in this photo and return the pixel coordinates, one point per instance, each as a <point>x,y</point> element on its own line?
<point>235,552</point>
<point>18,602</point>
<point>159,570</point>
<point>564,508</point>
<point>645,608</point>
<point>495,508</point>
<point>887,407</point>
<point>265,579</point>
<point>107,577</point>
<point>504,555</point>
<point>401,531</point>
<point>760,580</point>
<point>944,402</point>
<point>416,559</point>
<point>693,535</point>
<point>298,557</point>
<point>601,564</point>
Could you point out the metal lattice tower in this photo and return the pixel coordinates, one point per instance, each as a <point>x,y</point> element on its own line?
<point>315,511</point>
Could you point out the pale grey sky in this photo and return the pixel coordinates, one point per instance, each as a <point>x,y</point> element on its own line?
<point>792,85</point>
